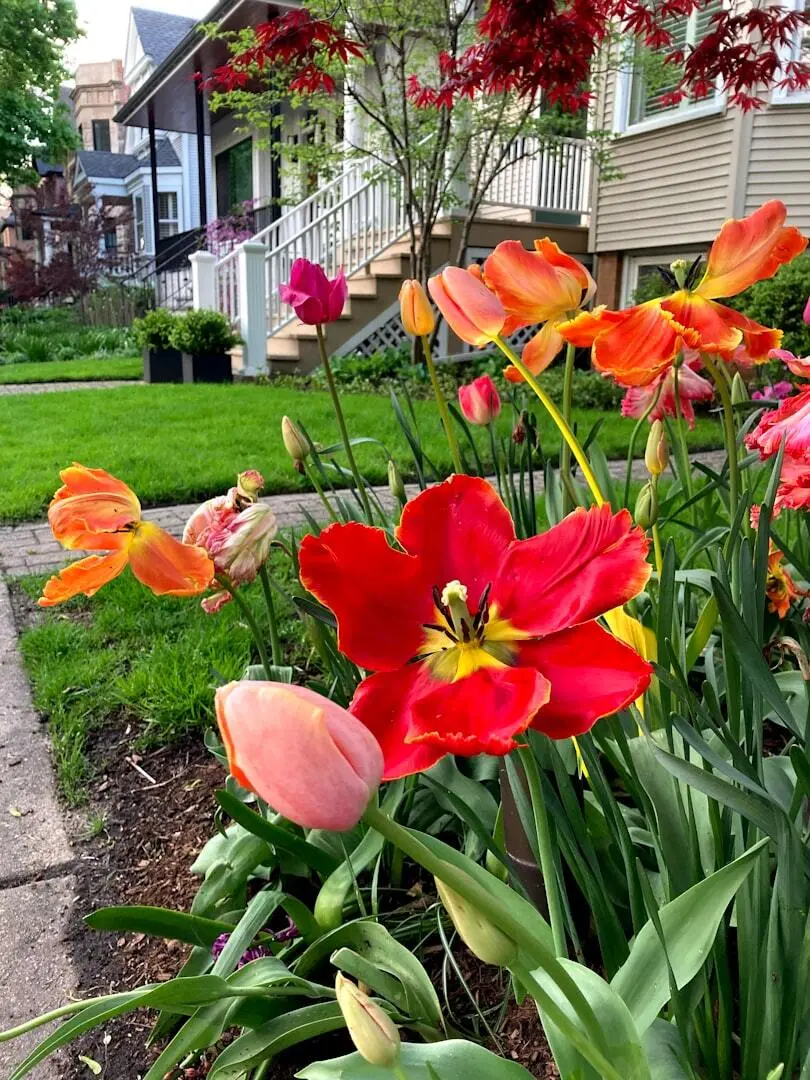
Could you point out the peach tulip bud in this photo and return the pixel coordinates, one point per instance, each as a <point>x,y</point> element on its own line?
<point>311,760</point>
<point>249,485</point>
<point>472,310</point>
<point>480,401</point>
<point>243,546</point>
<point>373,1032</point>
<point>415,310</point>
<point>481,937</point>
<point>656,454</point>
<point>294,442</point>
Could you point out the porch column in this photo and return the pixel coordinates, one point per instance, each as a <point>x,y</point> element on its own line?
<point>154,168</point>
<point>202,178</point>
<point>253,307</point>
<point>203,281</point>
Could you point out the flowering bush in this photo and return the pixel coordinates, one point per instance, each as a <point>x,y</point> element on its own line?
<point>584,740</point>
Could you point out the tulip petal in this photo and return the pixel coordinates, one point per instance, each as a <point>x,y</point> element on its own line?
<point>532,287</point>
<point>481,713</point>
<point>750,249</point>
<point>640,347</point>
<point>97,521</point>
<point>459,530</point>
<point>473,312</point>
<point>789,424</point>
<point>758,341</point>
<point>79,480</point>
<point>594,560</point>
<point>384,703</point>
<point>539,352</point>
<point>583,330</point>
<point>561,259</point>
<point>85,576</point>
<point>380,596</point>
<point>308,758</point>
<point>166,566</point>
<point>715,334</point>
<point>592,675</point>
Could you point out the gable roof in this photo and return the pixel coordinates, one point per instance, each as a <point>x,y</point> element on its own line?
<point>102,165</point>
<point>160,32</point>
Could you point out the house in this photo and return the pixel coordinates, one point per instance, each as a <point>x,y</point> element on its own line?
<point>99,93</point>
<point>686,168</point>
<point>354,221</point>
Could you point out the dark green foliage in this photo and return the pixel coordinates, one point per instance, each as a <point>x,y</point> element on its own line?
<point>203,333</point>
<point>780,302</point>
<point>155,329</point>
<point>38,335</point>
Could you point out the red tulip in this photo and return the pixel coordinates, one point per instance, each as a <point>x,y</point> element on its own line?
<point>311,760</point>
<point>475,635</point>
<point>314,297</point>
<point>480,401</point>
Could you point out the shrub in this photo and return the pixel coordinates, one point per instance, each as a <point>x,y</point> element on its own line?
<point>780,302</point>
<point>203,333</point>
<point>155,329</point>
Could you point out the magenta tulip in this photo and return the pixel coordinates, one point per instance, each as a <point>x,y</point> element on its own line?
<point>480,401</point>
<point>314,297</point>
<point>310,759</point>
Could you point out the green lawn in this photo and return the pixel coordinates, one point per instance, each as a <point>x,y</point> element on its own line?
<point>81,370</point>
<point>181,443</point>
<point>128,657</point>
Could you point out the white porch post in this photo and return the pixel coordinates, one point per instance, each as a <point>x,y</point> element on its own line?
<point>253,307</point>
<point>203,280</point>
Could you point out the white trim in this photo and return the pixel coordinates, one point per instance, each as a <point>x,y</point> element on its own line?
<point>633,263</point>
<point>780,95</point>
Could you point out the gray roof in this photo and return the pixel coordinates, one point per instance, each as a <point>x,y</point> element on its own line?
<point>102,165</point>
<point>160,32</point>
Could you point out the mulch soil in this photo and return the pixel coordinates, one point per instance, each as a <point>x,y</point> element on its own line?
<point>158,812</point>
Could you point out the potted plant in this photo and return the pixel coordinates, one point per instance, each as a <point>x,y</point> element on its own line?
<point>162,362</point>
<point>205,339</point>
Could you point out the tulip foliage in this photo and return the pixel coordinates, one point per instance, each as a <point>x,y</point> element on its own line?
<point>568,733</point>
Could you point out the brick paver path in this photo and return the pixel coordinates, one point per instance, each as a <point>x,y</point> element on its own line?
<point>31,549</point>
<point>7,389</point>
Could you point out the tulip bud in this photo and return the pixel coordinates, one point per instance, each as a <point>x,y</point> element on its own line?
<point>656,455</point>
<point>249,485</point>
<point>481,937</point>
<point>739,391</point>
<point>294,442</point>
<point>415,310</point>
<point>646,513</point>
<point>480,401</point>
<point>519,431</point>
<point>373,1032</point>
<point>310,759</point>
<point>395,483</point>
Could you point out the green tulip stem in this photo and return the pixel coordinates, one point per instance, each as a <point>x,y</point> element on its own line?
<point>567,402</point>
<point>344,431</point>
<point>250,619</point>
<point>562,425</point>
<point>628,475</point>
<point>272,618</point>
<point>399,1072</point>
<point>444,412</point>
<point>548,869</point>
<point>729,432</point>
<point>487,904</point>
<point>317,485</point>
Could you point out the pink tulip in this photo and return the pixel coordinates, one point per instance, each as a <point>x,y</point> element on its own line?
<point>313,296</point>
<point>806,315</point>
<point>799,365</point>
<point>311,760</point>
<point>480,401</point>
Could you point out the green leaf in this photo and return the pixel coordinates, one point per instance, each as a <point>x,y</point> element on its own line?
<point>451,1060</point>
<point>621,1035</point>
<point>689,925</point>
<point>665,1053</point>
<point>702,632</point>
<point>278,1034</point>
<point>276,836</point>
<point>256,673</point>
<point>91,1064</point>
<point>159,922</point>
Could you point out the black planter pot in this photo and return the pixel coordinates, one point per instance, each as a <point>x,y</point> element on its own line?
<point>214,368</point>
<point>162,366</point>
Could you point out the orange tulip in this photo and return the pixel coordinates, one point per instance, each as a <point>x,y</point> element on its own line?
<point>541,286</point>
<point>471,309</point>
<point>637,345</point>
<point>311,760</point>
<point>415,310</point>
<point>94,511</point>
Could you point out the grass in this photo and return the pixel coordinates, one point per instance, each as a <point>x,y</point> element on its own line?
<point>133,658</point>
<point>81,370</point>
<point>176,444</point>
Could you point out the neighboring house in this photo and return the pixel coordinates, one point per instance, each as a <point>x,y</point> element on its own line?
<point>99,93</point>
<point>687,168</point>
<point>351,222</point>
<point>27,215</point>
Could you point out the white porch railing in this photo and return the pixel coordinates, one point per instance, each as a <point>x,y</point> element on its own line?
<point>351,220</point>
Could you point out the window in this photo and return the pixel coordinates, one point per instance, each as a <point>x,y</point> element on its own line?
<point>234,174</point>
<point>101,134</point>
<point>643,85</point>
<point>167,214</point>
<point>797,50</point>
<point>111,240</point>
<point>140,224</point>
<point>641,278</point>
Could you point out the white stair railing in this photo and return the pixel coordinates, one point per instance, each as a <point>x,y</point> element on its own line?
<point>352,220</point>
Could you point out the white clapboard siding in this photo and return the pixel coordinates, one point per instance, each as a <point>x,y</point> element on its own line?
<point>779,161</point>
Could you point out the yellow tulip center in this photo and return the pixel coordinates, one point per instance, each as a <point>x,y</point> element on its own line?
<point>459,642</point>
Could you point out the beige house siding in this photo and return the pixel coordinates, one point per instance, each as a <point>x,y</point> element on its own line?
<point>675,186</point>
<point>779,161</point>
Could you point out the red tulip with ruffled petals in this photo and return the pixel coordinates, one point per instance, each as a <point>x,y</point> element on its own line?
<point>788,425</point>
<point>541,286</point>
<point>313,296</point>
<point>636,346</point>
<point>691,387</point>
<point>475,635</point>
